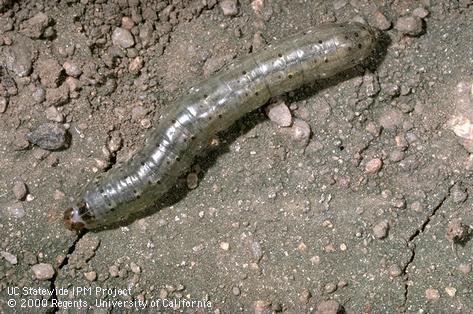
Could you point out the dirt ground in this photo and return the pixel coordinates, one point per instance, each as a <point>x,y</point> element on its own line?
<point>373,215</point>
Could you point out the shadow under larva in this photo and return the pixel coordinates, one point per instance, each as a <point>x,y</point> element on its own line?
<point>213,106</point>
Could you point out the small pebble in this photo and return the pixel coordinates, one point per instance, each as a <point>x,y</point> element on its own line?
<point>49,136</point>
<point>381,21</point>
<point>122,38</point>
<point>299,132</point>
<point>421,13</point>
<point>380,230</point>
<point>135,268</point>
<point>192,180</point>
<point>456,231</point>
<point>236,291</point>
<point>410,25</point>
<point>43,271</point>
<point>330,287</point>
<point>261,306</point>
<point>127,23</point>
<point>20,190</point>
<point>3,104</point>
<point>451,291</point>
<point>35,26</point>
<point>328,307</point>
<point>459,194</point>
<point>229,7</point>
<point>113,271</point>
<point>115,143</point>
<point>39,95</point>
<point>279,113</point>
<point>395,271</point>
<point>90,276</point>
<point>135,65</point>
<point>49,72</point>
<point>225,246</point>
<point>12,259</point>
<point>305,296</point>
<point>258,41</point>
<point>464,268</point>
<point>374,165</point>
<point>432,294</point>
<point>58,96</point>
<point>72,69</point>
<point>338,4</point>
<point>53,114</point>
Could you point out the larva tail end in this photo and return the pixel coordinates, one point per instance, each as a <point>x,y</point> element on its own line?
<point>72,219</point>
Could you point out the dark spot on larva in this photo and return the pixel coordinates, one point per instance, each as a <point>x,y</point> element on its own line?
<point>280,55</point>
<point>279,77</point>
<point>205,95</point>
<point>341,147</point>
<point>315,60</point>
<point>109,205</point>
<point>112,209</point>
<point>193,137</point>
<point>173,121</point>
<point>246,94</point>
<point>210,118</point>
<point>359,46</point>
<point>101,191</point>
<point>178,159</point>
<point>244,72</point>
<point>349,48</point>
<point>290,76</point>
<point>150,182</point>
<point>142,163</point>
<point>158,182</point>
<point>346,37</point>
<point>168,162</point>
<point>326,60</point>
<point>356,34</point>
<point>220,116</point>
<point>256,93</point>
<point>320,41</point>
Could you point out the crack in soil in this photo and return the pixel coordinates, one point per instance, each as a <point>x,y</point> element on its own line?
<point>413,237</point>
<point>52,288</point>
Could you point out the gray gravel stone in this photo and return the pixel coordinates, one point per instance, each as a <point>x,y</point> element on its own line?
<point>410,25</point>
<point>122,38</point>
<point>19,57</point>
<point>72,69</point>
<point>381,21</point>
<point>43,271</point>
<point>279,113</point>
<point>229,7</point>
<point>35,26</point>
<point>49,136</point>
<point>380,230</point>
<point>328,307</point>
<point>52,114</point>
<point>58,96</point>
<point>49,72</point>
<point>12,259</point>
<point>3,104</point>
<point>39,94</point>
<point>20,190</point>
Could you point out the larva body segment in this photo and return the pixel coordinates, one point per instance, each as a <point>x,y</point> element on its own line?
<point>211,107</point>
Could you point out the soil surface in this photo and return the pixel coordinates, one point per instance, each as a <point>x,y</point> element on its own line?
<point>371,215</point>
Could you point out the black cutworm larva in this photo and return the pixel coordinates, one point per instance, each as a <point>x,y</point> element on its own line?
<point>213,106</point>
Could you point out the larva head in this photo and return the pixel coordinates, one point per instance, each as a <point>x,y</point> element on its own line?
<point>77,217</point>
<point>359,41</point>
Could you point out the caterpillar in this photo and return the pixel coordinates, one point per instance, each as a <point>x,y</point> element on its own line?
<point>213,106</point>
